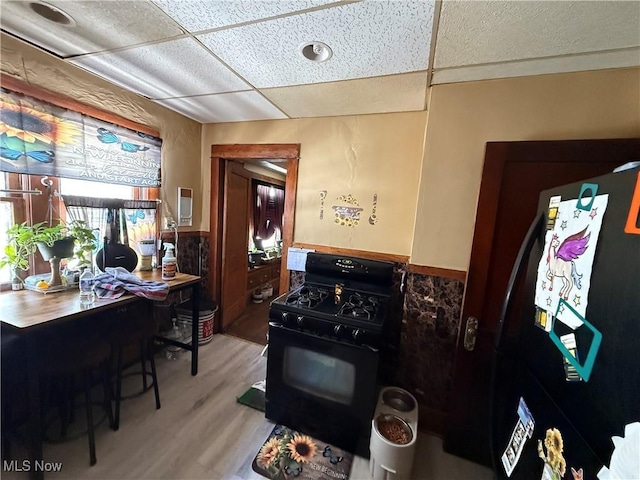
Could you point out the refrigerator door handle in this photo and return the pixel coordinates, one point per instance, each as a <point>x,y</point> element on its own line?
<point>518,268</point>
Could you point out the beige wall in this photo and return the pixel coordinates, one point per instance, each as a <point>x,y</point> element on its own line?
<point>358,155</point>
<point>180,135</point>
<point>463,117</point>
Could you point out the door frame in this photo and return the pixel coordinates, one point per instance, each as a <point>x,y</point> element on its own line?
<point>248,153</point>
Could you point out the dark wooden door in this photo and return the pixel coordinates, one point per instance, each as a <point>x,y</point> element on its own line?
<point>237,188</point>
<point>514,174</point>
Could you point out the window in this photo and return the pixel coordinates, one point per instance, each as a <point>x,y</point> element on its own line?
<point>12,210</point>
<point>18,207</point>
<point>87,188</point>
<point>49,143</point>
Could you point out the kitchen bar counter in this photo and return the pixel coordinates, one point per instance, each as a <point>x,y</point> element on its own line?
<point>29,313</point>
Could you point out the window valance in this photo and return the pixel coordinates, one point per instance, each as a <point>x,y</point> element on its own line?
<point>39,138</point>
<point>93,202</point>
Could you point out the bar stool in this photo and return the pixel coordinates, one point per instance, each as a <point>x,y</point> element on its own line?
<point>134,330</point>
<point>13,387</point>
<point>66,358</point>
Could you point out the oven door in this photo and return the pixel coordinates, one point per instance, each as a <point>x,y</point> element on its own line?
<point>321,386</point>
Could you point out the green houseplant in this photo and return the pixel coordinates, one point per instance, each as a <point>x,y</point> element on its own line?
<point>54,243</point>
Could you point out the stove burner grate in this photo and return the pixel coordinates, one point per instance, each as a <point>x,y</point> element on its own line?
<point>360,306</point>
<point>306,297</point>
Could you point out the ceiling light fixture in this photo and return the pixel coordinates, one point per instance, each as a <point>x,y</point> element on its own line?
<point>53,14</point>
<point>316,51</point>
<point>274,167</point>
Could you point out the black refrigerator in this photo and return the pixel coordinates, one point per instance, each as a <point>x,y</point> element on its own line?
<point>566,367</point>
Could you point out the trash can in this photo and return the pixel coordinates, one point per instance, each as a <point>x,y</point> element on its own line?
<point>207,311</point>
<point>394,432</point>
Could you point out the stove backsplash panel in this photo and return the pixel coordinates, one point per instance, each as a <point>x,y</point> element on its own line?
<point>432,307</point>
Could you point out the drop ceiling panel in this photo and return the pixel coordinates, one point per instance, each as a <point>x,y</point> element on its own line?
<point>135,23</point>
<point>171,69</point>
<point>539,66</point>
<point>196,16</point>
<point>225,107</point>
<point>368,39</point>
<point>353,97</point>
<point>487,32</point>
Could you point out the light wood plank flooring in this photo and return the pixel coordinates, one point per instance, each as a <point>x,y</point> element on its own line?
<point>253,323</point>
<point>201,432</point>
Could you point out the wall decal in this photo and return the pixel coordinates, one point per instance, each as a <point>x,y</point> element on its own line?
<point>373,219</point>
<point>347,215</point>
<point>323,195</point>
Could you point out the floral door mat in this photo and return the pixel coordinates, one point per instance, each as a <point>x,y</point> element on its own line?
<point>288,454</point>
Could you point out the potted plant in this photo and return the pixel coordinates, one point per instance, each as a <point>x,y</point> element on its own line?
<point>53,242</point>
<point>16,253</point>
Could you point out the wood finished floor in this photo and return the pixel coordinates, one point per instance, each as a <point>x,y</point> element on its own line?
<point>201,432</point>
<point>253,323</point>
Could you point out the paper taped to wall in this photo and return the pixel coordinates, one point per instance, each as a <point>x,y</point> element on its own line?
<point>297,258</point>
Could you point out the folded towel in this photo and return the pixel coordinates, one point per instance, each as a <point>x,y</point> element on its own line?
<point>118,280</point>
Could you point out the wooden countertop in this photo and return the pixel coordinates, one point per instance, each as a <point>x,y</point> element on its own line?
<point>27,309</point>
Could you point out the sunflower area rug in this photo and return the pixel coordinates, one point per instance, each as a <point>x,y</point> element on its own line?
<point>288,454</point>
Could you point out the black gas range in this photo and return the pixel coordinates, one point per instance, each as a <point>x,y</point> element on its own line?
<point>325,343</point>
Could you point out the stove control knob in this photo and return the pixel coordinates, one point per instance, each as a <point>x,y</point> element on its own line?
<point>300,321</point>
<point>357,333</point>
<point>338,329</point>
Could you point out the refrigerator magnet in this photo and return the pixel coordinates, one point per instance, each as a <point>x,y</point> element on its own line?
<point>570,372</point>
<point>590,189</point>
<point>522,431</point>
<point>552,214</point>
<point>584,370</point>
<point>634,211</point>
<point>551,453</point>
<point>543,319</point>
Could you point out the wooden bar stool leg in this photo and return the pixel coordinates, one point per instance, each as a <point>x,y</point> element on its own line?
<point>90,429</point>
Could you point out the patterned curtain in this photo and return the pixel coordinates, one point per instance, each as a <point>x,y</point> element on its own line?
<point>268,211</point>
<point>115,220</point>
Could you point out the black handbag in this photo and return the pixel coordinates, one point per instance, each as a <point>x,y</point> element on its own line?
<point>116,255</point>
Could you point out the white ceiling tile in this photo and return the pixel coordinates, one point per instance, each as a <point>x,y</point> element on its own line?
<point>478,32</point>
<point>135,22</point>
<point>368,39</point>
<point>539,66</point>
<point>199,15</point>
<point>225,107</point>
<point>393,93</point>
<point>171,69</point>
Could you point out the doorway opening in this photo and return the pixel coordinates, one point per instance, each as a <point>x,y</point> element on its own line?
<point>233,278</point>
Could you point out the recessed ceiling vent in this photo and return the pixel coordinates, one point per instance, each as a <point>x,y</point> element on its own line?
<point>51,13</point>
<point>316,51</point>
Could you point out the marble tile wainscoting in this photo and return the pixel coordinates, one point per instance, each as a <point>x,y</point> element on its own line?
<point>430,326</point>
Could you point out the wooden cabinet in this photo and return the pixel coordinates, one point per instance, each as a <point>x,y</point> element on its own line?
<point>258,277</point>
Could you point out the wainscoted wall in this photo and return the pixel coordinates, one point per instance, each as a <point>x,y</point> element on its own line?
<point>428,338</point>
<point>192,246</point>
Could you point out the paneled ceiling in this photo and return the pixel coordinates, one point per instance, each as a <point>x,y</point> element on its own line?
<point>240,60</point>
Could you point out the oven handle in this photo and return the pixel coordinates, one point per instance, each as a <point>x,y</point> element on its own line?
<point>333,340</point>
